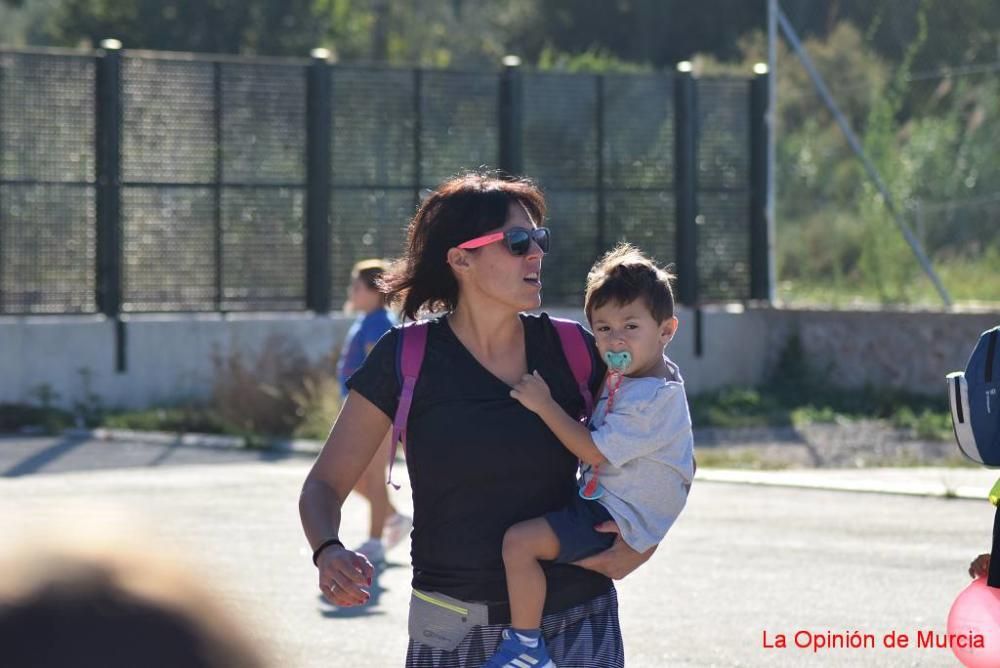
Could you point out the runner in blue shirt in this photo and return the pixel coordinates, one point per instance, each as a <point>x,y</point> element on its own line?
<point>388,527</point>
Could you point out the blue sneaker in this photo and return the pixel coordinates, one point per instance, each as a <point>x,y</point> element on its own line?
<point>512,654</point>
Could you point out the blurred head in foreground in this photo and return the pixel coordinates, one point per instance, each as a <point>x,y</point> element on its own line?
<point>108,608</point>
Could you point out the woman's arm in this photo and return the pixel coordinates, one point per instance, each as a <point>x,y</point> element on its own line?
<point>618,560</point>
<point>353,441</point>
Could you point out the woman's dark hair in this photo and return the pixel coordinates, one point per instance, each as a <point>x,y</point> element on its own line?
<point>623,275</point>
<point>460,209</point>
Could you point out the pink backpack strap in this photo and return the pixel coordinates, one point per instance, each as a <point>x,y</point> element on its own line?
<point>410,346</point>
<point>578,354</point>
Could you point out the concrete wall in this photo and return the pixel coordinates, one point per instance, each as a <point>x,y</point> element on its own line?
<point>170,357</point>
<point>904,349</point>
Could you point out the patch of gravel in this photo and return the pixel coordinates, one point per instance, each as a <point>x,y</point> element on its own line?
<point>844,444</point>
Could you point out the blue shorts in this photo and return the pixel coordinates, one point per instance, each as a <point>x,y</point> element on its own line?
<point>574,527</point>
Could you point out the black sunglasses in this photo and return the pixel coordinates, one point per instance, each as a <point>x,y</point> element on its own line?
<point>516,239</point>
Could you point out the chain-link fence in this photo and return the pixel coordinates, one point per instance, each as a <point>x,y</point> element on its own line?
<point>47,183</point>
<point>149,182</point>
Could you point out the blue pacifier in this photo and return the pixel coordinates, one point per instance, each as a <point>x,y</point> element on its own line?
<point>618,361</point>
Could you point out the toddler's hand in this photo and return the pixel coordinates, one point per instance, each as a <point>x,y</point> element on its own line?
<point>532,392</point>
<point>980,567</point>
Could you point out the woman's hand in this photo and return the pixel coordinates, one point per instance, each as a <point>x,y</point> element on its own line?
<point>618,560</point>
<point>532,392</point>
<point>980,566</point>
<point>342,576</point>
<point>352,443</point>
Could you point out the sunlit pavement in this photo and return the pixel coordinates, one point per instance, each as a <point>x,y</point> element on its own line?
<point>742,561</point>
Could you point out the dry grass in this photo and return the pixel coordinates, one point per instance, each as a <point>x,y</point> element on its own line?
<point>277,392</point>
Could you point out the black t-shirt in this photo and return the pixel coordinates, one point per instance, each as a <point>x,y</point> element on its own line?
<point>480,462</point>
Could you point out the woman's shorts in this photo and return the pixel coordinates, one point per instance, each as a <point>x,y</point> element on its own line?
<point>574,527</point>
<point>585,636</point>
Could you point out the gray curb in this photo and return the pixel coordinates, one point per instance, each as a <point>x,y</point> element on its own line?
<point>214,441</point>
<point>971,484</point>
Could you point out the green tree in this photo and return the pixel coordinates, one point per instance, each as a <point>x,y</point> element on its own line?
<point>436,33</point>
<point>22,21</point>
<point>886,260</point>
<point>440,33</point>
<point>655,32</point>
<point>266,27</point>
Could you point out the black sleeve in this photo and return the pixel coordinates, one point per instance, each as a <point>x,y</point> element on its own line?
<point>376,380</point>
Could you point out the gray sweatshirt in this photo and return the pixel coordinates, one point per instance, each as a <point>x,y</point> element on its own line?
<point>649,447</point>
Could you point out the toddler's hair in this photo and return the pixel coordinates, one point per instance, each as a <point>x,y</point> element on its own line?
<point>623,275</point>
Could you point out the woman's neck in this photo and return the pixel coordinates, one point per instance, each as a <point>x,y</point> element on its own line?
<point>489,330</point>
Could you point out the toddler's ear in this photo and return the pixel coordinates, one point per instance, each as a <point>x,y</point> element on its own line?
<point>667,329</point>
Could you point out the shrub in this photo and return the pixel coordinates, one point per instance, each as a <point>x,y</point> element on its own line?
<point>799,393</point>
<point>179,419</point>
<point>273,394</point>
<point>49,419</point>
<point>318,404</point>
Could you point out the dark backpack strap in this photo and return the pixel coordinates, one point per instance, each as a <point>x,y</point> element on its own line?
<point>410,347</point>
<point>578,354</point>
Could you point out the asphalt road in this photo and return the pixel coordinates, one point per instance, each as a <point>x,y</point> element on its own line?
<point>742,561</point>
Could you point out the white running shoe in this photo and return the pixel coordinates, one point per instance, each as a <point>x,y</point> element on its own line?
<point>372,548</point>
<point>397,528</point>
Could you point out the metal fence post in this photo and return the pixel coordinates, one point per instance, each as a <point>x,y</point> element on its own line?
<point>220,177</point>
<point>511,116</point>
<point>418,134</point>
<point>760,256</point>
<point>602,207</point>
<point>109,195</point>
<point>686,186</point>
<point>319,115</point>
<point>109,118</point>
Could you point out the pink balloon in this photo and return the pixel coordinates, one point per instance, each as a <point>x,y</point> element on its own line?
<point>976,610</point>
